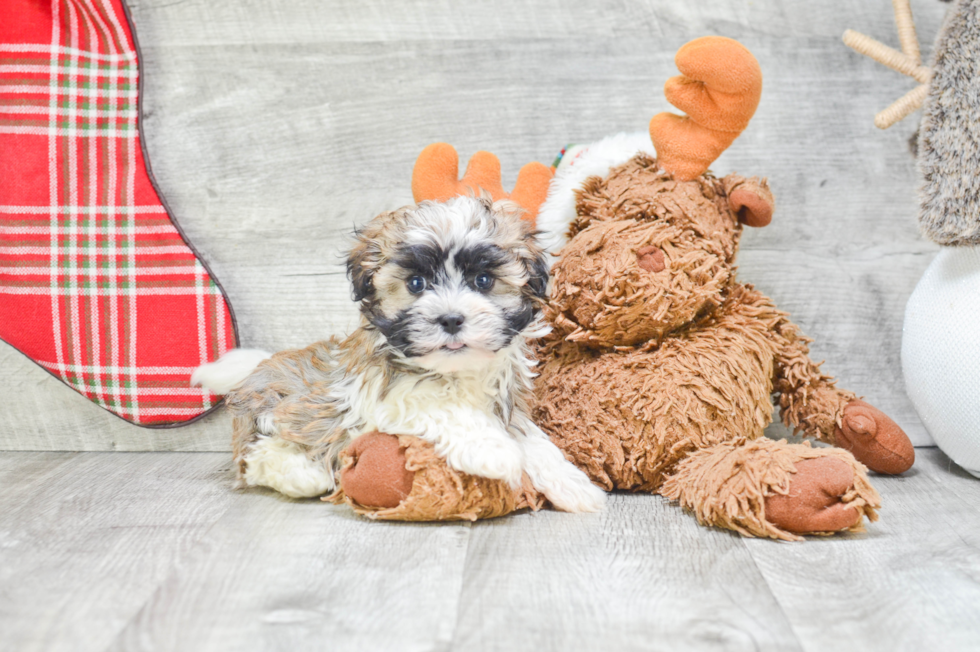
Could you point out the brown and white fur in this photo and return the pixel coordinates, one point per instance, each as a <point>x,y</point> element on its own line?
<point>449,293</point>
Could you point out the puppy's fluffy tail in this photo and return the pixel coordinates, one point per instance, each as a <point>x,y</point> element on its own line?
<point>228,371</point>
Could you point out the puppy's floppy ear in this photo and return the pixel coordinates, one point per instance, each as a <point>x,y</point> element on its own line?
<point>538,272</point>
<point>367,255</point>
<point>361,266</point>
<point>532,256</point>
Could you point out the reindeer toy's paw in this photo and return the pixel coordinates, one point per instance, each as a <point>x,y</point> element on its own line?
<point>814,501</point>
<point>403,479</point>
<point>774,489</point>
<point>874,439</point>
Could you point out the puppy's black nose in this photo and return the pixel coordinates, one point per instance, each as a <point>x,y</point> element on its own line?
<point>451,323</point>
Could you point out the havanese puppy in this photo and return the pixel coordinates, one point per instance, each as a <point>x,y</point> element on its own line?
<point>449,293</point>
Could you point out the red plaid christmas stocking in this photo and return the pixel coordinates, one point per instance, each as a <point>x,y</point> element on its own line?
<point>97,283</point>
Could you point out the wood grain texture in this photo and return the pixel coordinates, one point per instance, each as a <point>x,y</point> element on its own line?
<point>277,574</point>
<point>155,551</point>
<point>640,576</point>
<point>275,127</point>
<point>87,538</point>
<point>912,582</point>
<point>226,22</point>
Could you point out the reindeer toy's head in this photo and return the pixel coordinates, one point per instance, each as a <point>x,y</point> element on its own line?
<point>652,245</point>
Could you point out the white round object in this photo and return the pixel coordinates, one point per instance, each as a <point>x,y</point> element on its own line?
<point>941,353</point>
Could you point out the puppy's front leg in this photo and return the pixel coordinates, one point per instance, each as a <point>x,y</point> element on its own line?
<point>563,483</point>
<point>474,443</point>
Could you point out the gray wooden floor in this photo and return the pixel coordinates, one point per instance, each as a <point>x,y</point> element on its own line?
<point>154,551</point>
<point>275,126</point>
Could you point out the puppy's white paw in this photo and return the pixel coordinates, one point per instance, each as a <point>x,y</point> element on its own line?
<point>496,458</point>
<point>563,483</point>
<point>283,465</point>
<point>576,495</point>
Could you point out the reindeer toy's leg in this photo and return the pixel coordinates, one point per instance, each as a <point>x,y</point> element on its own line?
<point>810,403</point>
<point>777,489</point>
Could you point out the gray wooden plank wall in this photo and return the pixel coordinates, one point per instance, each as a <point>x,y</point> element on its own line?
<point>274,127</point>
<point>155,551</point>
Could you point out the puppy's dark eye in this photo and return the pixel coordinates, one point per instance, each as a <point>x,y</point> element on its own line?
<point>483,282</point>
<point>416,284</point>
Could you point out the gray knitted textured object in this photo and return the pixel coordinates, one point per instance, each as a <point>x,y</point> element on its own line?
<point>949,136</point>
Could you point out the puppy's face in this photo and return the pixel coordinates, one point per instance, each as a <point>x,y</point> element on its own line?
<point>449,284</point>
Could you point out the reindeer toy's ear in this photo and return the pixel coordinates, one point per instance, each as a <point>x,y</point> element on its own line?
<point>719,90</point>
<point>436,172</point>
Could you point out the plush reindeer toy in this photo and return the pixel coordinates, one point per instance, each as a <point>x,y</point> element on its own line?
<point>660,373</point>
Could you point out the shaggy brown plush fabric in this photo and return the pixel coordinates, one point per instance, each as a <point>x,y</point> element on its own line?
<point>949,135</point>
<point>627,418</point>
<point>439,493</point>
<point>661,369</point>
<point>727,485</point>
<point>613,299</point>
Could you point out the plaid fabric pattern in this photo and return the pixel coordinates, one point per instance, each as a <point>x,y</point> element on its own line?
<point>97,285</point>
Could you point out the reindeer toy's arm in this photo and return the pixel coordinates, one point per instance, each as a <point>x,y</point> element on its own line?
<point>810,403</point>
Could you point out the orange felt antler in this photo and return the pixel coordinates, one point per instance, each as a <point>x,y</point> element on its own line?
<point>435,177</point>
<point>719,90</point>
